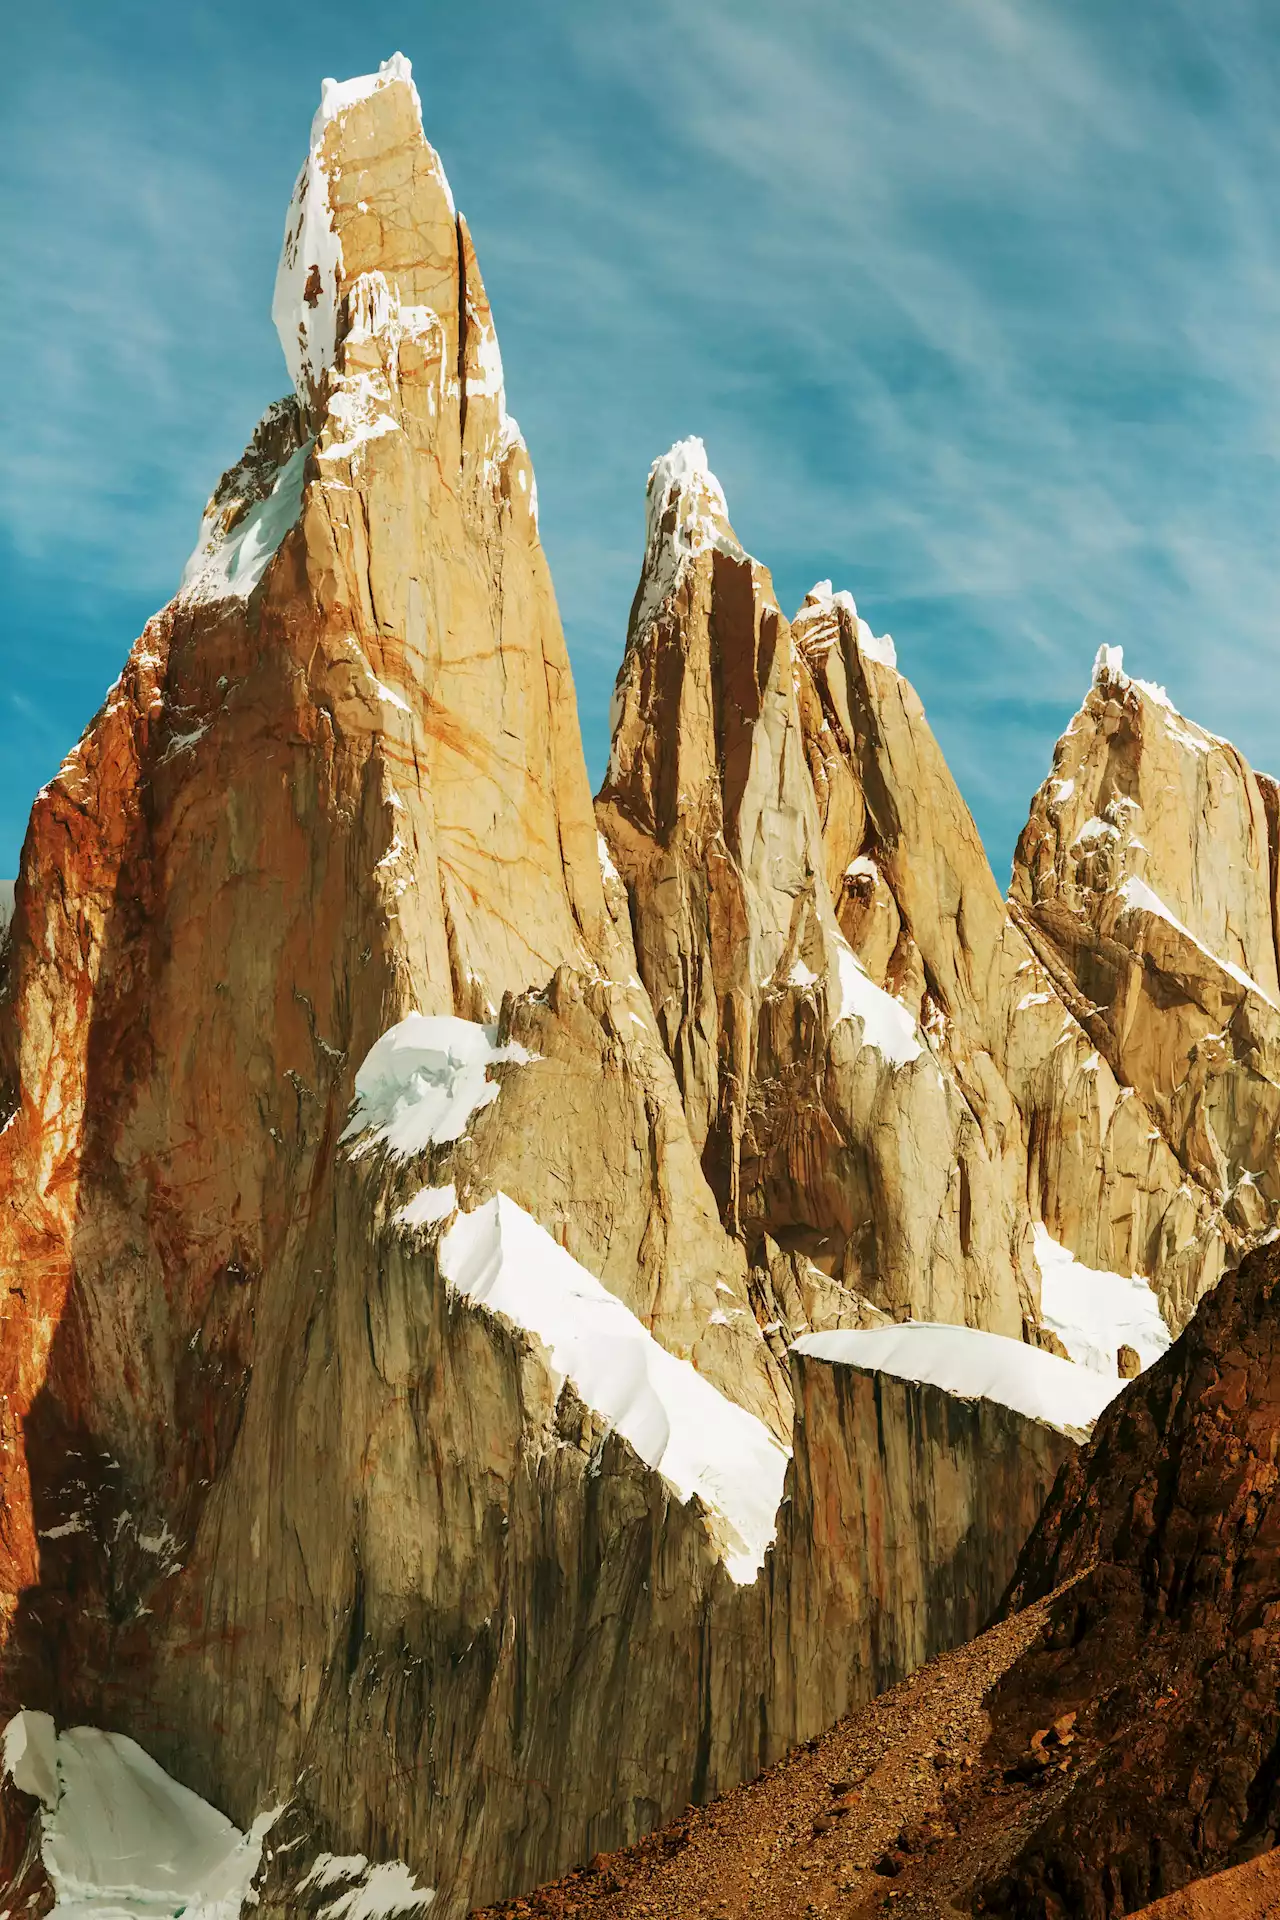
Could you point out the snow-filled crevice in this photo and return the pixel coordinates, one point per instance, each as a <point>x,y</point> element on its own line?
<point>887,1025</point>
<point>229,564</point>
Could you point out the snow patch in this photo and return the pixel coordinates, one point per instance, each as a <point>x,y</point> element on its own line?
<point>1136,893</point>
<point>1096,828</point>
<point>230,565</point>
<point>337,95</point>
<point>974,1366</point>
<point>420,1084</point>
<point>428,1205</point>
<point>886,1024</point>
<point>6,905</point>
<point>818,627</point>
<point>1095,1313</point>
<point>607,869</point>
<point>383,1891</point>
<point>700,1442</point>
<point>878,647</point>
<point>120,1837</point>
<point>1108,664</point>
<point>682,485</point>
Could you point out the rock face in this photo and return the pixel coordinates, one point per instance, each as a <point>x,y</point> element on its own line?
<point>766,932</point>
<point>908,1508</point>
<point>1145,880</point>
<point>340,780</point>
<point>1166,1645</point>
<point>413,1178</point>
<point>888,1070</point>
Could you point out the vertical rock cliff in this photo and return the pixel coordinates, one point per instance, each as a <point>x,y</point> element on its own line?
<point>831,1126</point>
<point>1145,878</point>
<point>413,1178</point>
<point>1165,1644</point>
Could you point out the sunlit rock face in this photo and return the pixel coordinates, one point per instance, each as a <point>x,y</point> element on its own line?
<point>1145,878</point>
<point>414,1178</point>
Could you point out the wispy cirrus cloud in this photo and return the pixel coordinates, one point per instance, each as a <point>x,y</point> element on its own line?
<point>974,301</point>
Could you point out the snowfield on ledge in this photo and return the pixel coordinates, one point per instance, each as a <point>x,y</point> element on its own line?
<point>975,1366</point>
<point>680,1425</point>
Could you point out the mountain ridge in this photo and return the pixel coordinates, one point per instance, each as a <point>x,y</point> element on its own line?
<point>423,1184</point>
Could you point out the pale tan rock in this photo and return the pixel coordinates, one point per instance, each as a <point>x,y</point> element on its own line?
<point>253,1461</point>
<point>1145,878</point>
<point>735,808</point>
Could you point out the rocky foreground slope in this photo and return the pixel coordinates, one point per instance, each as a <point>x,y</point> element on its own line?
<point>451,1414</point>
<point>1111,1744</point>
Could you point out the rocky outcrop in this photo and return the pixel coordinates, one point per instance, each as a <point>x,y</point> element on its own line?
<point>801,873</point>
<point>1144,878</point>
<point>1165,1646</point>
<point>259,1475</point>
<point>408,1197</point>
<point>908,1508</point>
<point>735,812</point>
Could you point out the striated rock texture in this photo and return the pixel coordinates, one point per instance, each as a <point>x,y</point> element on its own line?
<point>1145,880</point>
<point>258,1476</point>
<point>736,813</point>
<point>1167,1646</point>
<point>908,1509</point>
<point>413,1178</point>
<point>889,1077</point>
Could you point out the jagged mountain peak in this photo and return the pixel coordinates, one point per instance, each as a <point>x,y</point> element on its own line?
<point>817,625</point>
<point>313,272</point>
<point>685,514</point>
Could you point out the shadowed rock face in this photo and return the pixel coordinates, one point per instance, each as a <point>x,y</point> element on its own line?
<point>1167,1645</point>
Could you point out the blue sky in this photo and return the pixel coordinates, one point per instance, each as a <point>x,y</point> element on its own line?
<point>976,304</point>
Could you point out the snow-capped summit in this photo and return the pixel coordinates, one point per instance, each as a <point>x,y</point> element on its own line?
<point>685,514</point>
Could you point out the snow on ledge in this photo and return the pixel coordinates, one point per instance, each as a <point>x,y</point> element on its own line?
<point>230,565</point>
<point>680,1425</point>
<point>337,95</point>
<point>1094,1313</point>
<point>680,479</point>
<point>974,1366</point>
<point>820,610</point>
<point>119,1836</point>
<point>1136,893</point>
<point>370,1892</point>
<point>419,1085</point>
<point>886,1024</point>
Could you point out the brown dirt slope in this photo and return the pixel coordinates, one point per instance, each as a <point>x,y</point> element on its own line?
<point>1250,1892</point>
<point>897,1806</point>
